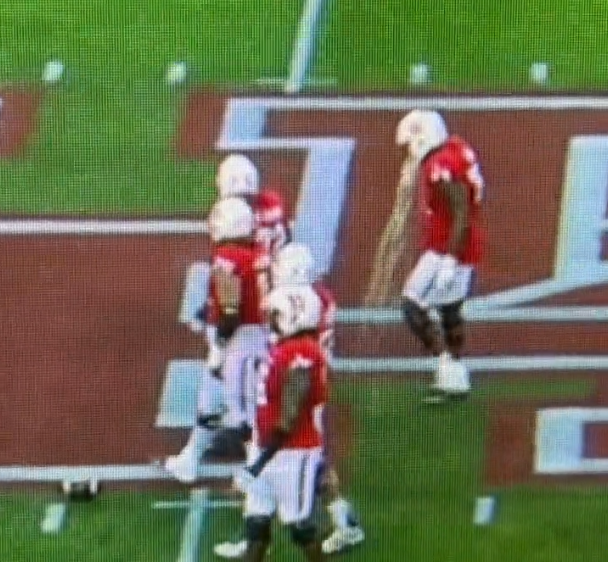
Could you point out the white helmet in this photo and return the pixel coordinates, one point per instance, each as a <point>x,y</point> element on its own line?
<point>237,175</point>
<point>293,265</point>
<point>294,309</point>
<point>231,218</point>
<point>422,131</point>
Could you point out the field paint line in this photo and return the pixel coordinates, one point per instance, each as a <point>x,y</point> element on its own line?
<point>54,517</point>
<point>484,510</point>
<point>416,365</point>
<point>108,473</point>
<point>439,103</point>
<point>191,532</point>
<point>476,314</point>
<point>304,46</point>
<point>100,227</point>
<point>185,504</point>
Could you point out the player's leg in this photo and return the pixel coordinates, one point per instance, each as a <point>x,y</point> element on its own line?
<point>304,534</point>
<point>257,532</point>
<point>452,378</point>
<point>246,347</point>
<point>347,531</point>
<point>414,306</point>
<point>258,511</point>
<point>293,476</point>
<point>210,407</point>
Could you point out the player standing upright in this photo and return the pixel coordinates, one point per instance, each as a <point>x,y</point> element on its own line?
<point>237,334</point>
<point>450,195</point>
<point>287,452</point>
<point>292,269</point>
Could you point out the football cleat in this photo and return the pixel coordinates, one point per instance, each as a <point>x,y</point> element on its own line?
<point>343,539</point>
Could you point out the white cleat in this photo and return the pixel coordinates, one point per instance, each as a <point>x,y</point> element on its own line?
<point>342,539</point>
<point>183,467</point>
<point>231,550</point>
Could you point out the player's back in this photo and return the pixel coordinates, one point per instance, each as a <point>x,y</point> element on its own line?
<point>454,162</point>
<point>299,352</point>
<point>247,262</point>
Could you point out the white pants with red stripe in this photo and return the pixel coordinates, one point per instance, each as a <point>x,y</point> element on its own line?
<point>287,485</point>
<point>420,284</point>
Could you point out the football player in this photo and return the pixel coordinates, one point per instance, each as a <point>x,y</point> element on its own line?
<point>450,196</point>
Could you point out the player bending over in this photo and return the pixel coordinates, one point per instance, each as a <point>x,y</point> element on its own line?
<point>450,195</point>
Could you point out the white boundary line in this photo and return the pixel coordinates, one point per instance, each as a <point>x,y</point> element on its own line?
<point>112,473</point>
<point>304,46</point>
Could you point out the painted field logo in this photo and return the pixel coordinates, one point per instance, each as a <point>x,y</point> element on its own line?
<point>18,115</point>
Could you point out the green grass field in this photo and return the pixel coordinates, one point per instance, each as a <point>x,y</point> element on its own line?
<point>103,147</point>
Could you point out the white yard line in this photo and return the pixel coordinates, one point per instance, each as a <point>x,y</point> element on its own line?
<point>191,532</point>
<point>476,314</point>
<point>185,504</point>
<point>439,103</point>
<point>504,364</point>
<point>304,46</point>
<point>99,227</point>
<point>112,473</point>
<point>54,517</point>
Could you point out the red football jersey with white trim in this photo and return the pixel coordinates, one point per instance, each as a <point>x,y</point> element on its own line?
<point>453,162</point>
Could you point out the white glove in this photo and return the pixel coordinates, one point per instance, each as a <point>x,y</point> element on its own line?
<point>446,272</point>
<point>215,357</point>
<point>242,480</point>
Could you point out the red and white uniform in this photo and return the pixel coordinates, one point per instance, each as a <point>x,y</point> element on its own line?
<point>272,229</point>
<point>452,162</point>
<point>249,342</point>
<point>287,483</point>
<point>250,264</point>
<point>328,319</point>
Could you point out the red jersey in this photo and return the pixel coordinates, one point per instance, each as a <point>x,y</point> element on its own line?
<point>251,265</point>
<point>272,230</point>
<point>453,162</point>
<point>328,318</point>
<point>302,351</point>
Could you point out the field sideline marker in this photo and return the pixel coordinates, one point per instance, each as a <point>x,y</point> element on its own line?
<point>484,510</point>
<point>54,517</point>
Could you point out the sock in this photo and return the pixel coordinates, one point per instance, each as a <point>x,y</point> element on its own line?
<point>199,440</point>
<point>340,511</point>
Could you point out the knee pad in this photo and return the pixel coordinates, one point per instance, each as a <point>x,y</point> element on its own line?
<point>257,529</point>
<point>452,323</point>
<point>419,322</point>
<point>303,533</point>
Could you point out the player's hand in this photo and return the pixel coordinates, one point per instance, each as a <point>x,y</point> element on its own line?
<point>446,273</point>
<point>242,480</point>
